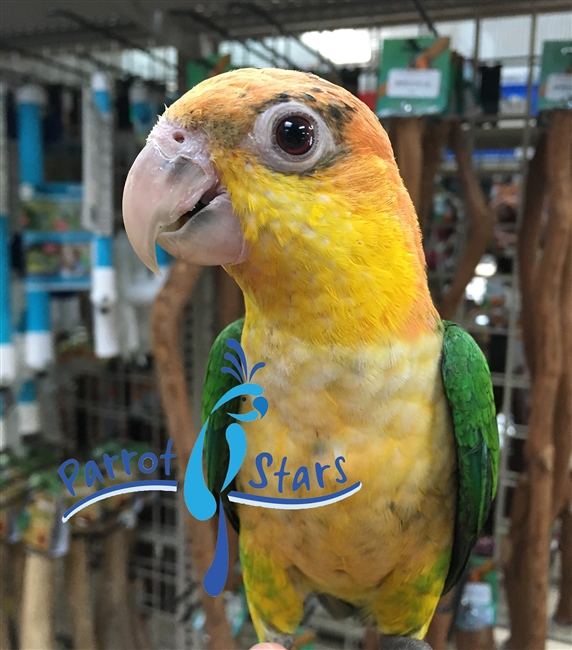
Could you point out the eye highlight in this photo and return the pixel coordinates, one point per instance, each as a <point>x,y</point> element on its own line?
<point>295,135</point>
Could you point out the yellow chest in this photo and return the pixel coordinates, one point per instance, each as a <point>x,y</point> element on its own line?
<point>383,411</point>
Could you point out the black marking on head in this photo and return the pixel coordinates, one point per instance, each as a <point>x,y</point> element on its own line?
<point>242,95</point>
<point>281,98</point>
<point>334,112</point>
<point>338,116</point>
<point>316,90</point>
<point>309,97</point>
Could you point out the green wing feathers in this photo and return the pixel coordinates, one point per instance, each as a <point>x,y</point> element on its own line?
<point>216,385</point>
<point>469,390</point>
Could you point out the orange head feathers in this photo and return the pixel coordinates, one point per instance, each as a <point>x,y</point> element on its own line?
<point>304,205</point>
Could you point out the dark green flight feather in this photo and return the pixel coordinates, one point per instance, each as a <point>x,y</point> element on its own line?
<point>469,389</point>
<point>216,385</point>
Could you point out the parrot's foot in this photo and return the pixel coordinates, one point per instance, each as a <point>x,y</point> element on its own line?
<point>402,643</point>
<point>286,640</point>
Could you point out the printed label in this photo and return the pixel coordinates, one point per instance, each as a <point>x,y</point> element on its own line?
<point>558,87</point>
<point>414,84</point>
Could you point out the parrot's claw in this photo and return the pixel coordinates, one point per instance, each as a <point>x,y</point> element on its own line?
<point>402,643</point>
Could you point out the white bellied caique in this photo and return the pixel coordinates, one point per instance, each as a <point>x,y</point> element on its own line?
<point>290,183</point>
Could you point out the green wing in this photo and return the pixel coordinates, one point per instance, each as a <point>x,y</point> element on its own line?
<point>216,385</point>
<point>468,387</point>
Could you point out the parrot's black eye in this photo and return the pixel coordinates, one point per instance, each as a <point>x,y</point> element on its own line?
<point>290,137</point>
<point>295,135</point>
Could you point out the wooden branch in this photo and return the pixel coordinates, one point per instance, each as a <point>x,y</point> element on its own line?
<point>230,302</point>
<point>434,139</point>
<point>441,622</point>
<point>539,446</point>
<point>514,548</point>
<point>18,563</point>
<point>229,299</point>
<point>79,594</point>
<point>563,613</point>
<point>113,617</point>
<point>371,639</point>
<point>563,415</point>
<point>167,316</point>
<point>5,613</point>
<point>482,223</point>
<point>407,134</point>
<point>36,625</point>
<point>528,242</point>
<point>562,487</point>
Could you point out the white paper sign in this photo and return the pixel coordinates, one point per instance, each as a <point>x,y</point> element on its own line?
<point>558,87</point>
<point>414,84</point>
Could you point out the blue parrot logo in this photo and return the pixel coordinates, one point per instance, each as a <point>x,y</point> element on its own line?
<point>198,498</point>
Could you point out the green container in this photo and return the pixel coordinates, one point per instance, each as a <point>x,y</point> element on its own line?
<point>555,90</point>
<point>414,77</point>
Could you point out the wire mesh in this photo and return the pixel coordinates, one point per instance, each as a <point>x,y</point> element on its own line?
<point>119,400</point>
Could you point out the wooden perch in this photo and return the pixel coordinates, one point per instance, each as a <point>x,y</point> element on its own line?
<point>482,223</point>
<point>5,612</point>
<point>563,613</point>
<point>528,242</point>
<point>562,488</point>
<point>406,136</point>
<point>434,139</point>
<point>113,613</point>
<point>514,548</point>
<point>230,303</point>
<point>441,622</point>
<point>529,621</point>
<point>36,624</point>
<point>79,594</point>
<point>563,415</point>
<point>167,317</point>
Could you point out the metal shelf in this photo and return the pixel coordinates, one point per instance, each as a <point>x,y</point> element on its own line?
<point>517,381</point>
<point>451,169</point>
<point>486,329</point>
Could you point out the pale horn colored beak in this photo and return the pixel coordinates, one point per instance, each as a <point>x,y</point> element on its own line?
<point>173,196</point>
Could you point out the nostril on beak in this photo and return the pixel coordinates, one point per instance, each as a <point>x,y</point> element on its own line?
<point>179,137</point>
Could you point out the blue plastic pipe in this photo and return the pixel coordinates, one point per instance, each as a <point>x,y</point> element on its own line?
<point>7,360</point>
<point>39,348</point>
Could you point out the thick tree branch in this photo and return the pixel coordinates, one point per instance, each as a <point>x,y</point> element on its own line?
<point>482,223</point>
<point>230,307</point>
<point>528,242</point>
<point>167,317</point>
<point>434,139</point>
<point>539,446</point>
<point>406,136</point>
<point>563,613</point>
<point>514,548</point>
<point>563,415</point>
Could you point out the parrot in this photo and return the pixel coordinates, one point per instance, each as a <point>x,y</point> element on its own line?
<point>289,182</point>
